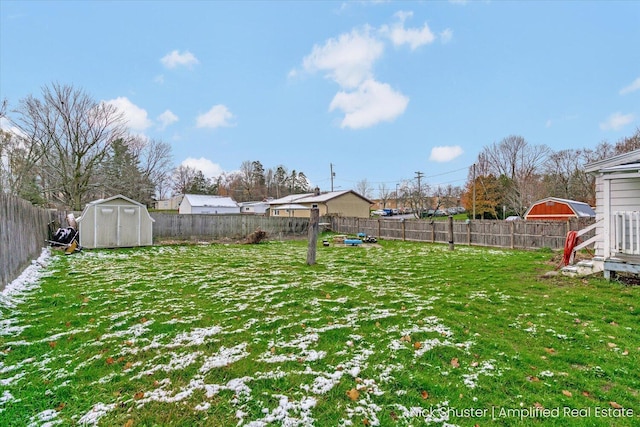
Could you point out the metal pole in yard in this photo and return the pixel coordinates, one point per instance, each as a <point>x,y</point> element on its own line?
<point>314,219</point>
<point>451,232</point>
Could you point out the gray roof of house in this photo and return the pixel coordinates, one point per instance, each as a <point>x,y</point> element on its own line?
<point>202,200</point>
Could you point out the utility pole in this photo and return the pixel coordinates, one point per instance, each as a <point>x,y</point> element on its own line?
<point>333,174</point>
<point>419,175</point>
<point>474,191</point>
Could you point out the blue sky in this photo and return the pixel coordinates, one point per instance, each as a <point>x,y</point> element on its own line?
<point>381,90</point>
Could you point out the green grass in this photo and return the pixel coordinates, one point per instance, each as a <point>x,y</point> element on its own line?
<point>216,335</point>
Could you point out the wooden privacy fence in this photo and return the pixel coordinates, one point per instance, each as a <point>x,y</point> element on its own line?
<point>503,234</point>
<point>23,233</point>
<point>169,226</point>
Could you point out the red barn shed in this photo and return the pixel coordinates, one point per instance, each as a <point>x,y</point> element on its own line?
<point>555,209</point>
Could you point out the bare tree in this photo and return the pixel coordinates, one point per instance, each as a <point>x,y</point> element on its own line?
<point>384,194</point>
<point>183,178</point>
<point>154,161</point>
<point>520,163</point>
<point>73,133</point>
<point>363,188</point>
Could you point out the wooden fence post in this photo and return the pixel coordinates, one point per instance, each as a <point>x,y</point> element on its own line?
<point>314,219</point>
<point>513,225</point>
<point>451,232</point>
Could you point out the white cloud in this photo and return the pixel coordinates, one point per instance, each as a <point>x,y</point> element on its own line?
<point>631,88</point>
<point>617,121</point>
<point>136,117</point>
<point>444,154</point>
<point>167,118</point>
<point>348,60</point>
<point>6,126</point>
<point>371,103</point>
<point>208,168</point>
<point>446,36</point>
<point>414,37</point>
<point>175,59</point>
<point>218,116</point>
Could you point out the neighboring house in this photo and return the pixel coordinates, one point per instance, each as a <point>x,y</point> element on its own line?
<point>202,204</point>
<point>555,209</point>
<point>617,241</point>
<point>345,203</point>
<point>172,204</point>
<point>115,222</point>
<point>254,208</point>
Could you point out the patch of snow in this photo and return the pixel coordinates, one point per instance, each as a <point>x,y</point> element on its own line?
<point>14,292</point>
<point>288,413</point>
<point>194,337</point>
<point>98,411</point>
<point>224,357</point>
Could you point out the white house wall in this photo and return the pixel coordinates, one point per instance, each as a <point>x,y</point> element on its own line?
<point>214,210</point>
<point>612,195</point>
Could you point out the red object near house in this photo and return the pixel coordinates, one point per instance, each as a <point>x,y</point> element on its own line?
<point>555,209</point>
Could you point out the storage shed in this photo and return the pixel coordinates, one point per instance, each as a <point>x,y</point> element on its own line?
<point>555,209</point>
<point>115,222</point>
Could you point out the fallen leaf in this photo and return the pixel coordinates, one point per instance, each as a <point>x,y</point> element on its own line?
<point>109,360</point>
<point>120,359</point>
<point>549,350</point>
<point>377,324</point>
<point>393,416</point>
<point>128,366</point>
<point>366,422</point>
<point>143,320</point>
<point>60,407</point>
<point>615,405</point>
<point>424,394</point>
<point>455,363</point>
<point>139,395</point>
<point>406,338</point>
<point>129,423</point>
<point>403,308</point>
<point>567,393</point>
<point>625,353</point>
<point>474,364</point>
<point>417,345</point>
<point>533,379</point>
<point>586,394</point>
<point>538,405</point>
<point>613,324</point>
<point>53,344</point>
<point>68,324</point>
<point>273,350</point>
<point>328,296</point>
<point>612,345</point>
<point>353,394</point>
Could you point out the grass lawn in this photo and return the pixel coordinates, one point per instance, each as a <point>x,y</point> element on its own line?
<point>393,334</point>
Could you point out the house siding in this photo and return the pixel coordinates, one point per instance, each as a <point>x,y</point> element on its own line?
<point>348,205</point>
<point>624,195</point>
